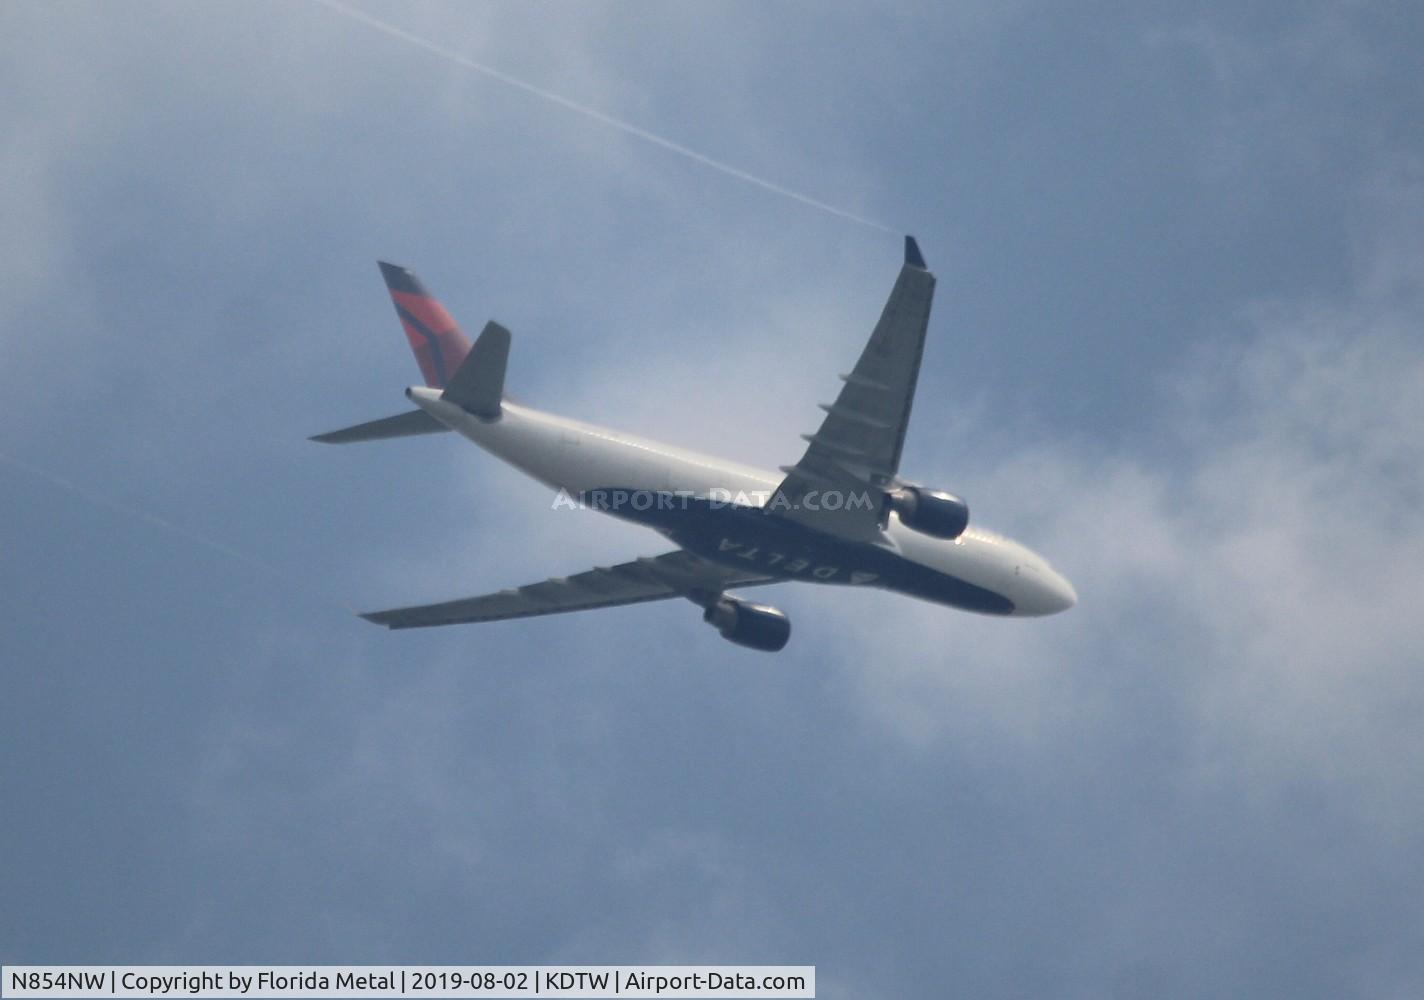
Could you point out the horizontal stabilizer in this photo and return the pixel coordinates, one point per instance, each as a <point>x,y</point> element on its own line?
<point>401,425</point>
<point>478,384</point>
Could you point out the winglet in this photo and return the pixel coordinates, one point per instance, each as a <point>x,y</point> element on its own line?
<point>913,257</point>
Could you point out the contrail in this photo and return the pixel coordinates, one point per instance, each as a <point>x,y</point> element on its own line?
<point>596,115</point>
<point>98,500</point>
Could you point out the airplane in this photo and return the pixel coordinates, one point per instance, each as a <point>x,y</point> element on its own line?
<point>842,515</point>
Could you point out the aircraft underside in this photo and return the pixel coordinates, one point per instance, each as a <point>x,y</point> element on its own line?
<point>754,539</point>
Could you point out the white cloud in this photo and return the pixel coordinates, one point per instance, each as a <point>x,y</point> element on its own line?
<point>1259,570</point>
<point>1249,582</point>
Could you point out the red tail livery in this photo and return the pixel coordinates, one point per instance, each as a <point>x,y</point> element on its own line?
<point>434,336</point>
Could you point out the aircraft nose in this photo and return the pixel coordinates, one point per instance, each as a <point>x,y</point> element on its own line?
<point>1061,595</point>
<point>1047,592</point>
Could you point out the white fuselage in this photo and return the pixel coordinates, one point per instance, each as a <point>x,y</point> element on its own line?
<point>581,458</point>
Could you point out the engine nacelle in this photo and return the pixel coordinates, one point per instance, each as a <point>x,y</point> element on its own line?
<point>756,626</point>
<point>930,512</point>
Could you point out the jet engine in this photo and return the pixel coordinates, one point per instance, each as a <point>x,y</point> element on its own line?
<point>930,512</point>
<point>757,626</point>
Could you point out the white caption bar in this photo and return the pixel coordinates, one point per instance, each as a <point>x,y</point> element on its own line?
<point>372,981</point>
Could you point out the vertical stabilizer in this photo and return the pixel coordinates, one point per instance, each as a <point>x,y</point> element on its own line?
<point>434,337</point>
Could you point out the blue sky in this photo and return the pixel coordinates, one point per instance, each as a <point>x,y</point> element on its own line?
<point>1176,347</point>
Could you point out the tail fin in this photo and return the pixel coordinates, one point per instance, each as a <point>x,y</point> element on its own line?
<point>472,378</point>
<point>435,338</point>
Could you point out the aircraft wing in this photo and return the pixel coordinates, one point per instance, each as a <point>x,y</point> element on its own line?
<point>856,452</point>
<point>673,574</point>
